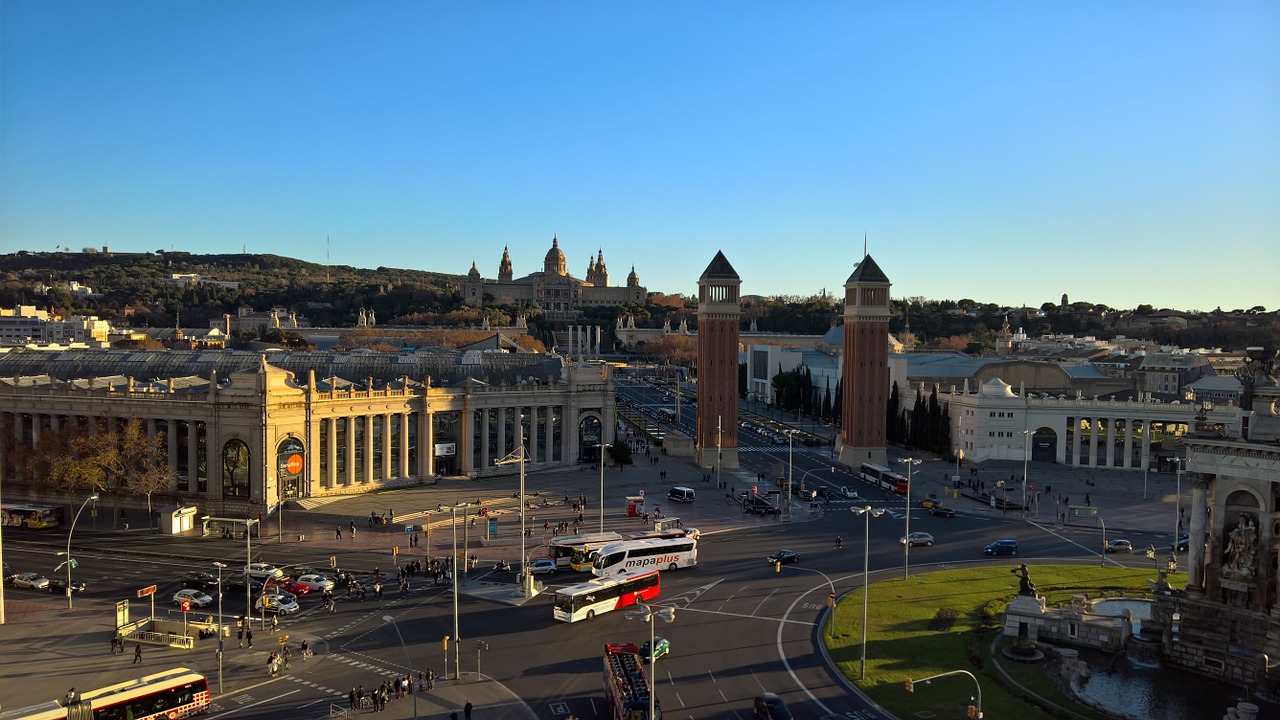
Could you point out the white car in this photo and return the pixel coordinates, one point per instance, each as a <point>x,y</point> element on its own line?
<point>263,571</point>
<point>279,603</point>
<point>197,598</point>
<point>849,492</point>
<point>542,565</point>
<point>34,581</point>
<point>317,583</point>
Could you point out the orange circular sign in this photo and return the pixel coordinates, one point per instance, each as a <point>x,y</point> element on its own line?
<point>294,464</point>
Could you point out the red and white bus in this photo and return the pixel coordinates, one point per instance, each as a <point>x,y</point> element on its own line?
<point>884,477</point>
<point>175,693</point>
<point>586,600</point>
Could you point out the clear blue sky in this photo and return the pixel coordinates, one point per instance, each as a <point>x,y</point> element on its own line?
<point>1008,152</point>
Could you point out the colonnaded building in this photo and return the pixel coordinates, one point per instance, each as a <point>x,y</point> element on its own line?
<point>558,294</point>
<point>245,431</point>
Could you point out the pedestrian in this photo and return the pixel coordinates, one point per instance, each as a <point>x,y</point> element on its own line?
<point>351,698</point>
<point>275,624</point>
<point>240,636</point>
<point>1086,499</point>
<point>339,532</point>
<point>466,711</point>
<point>306,650</point>
<point>839,542</point>
<point>137,653</point>
<point>71,696</point>
<point>431,678</point>
<point>248,636</point>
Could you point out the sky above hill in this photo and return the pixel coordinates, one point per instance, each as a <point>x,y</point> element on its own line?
<point>1007,152</point>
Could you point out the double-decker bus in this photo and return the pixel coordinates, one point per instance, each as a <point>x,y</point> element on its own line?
<point>626,687</point>
<point>562,549</point>
<point>884,477</point>
<point>175,693</point>
<point>632,556</point>
<point>600,595</point>
<point>29,515</point>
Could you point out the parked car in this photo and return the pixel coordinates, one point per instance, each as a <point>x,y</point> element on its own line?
<point>279,603</point>
<point>543,565</point>
<point>661,646</point>
<point>262,571</point>
<point>31,581</point>
<point>784,556</point>
<point>942,511</point>
<point>316,582</point>
<point>200,581</point>
<point>917,538</point>
<point>1001,547</point>
<point>196,597</point>
<point>240,583</point>
<point>770,707</point>
<point>59,586</point>
<point>1119,546</point>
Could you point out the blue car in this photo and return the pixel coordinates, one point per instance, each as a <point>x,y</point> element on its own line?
<point>1002,547</point>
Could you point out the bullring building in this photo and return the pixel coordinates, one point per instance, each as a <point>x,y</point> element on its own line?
<point>245,431</point>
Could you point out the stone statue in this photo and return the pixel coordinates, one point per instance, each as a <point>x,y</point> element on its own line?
<point>1242,548</point>
<point>1025,586</point>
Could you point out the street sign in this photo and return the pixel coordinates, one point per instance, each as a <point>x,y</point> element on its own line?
<point>186,605</point>
<point>147,591</point>
<point>73,563</point>
<point>282,639</point>
<point>831,599</point>
<point>408,528</point>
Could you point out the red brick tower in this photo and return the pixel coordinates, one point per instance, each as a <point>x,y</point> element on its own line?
<point>718,317</point>
<point>865,376</point>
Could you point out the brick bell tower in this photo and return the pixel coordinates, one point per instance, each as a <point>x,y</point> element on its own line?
<point>866,365</point>
<point>719,314</point>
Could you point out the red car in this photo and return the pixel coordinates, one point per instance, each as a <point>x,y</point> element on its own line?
<point>289,585</point>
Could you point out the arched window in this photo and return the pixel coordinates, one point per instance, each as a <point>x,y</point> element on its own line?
<point>235,469</point>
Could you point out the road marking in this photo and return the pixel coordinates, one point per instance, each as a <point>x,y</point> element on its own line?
<point>246,707</point>
<point>765,600</point>
<point>749,617</point>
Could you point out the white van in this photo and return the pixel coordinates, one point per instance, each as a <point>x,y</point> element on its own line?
<point>680,494</point>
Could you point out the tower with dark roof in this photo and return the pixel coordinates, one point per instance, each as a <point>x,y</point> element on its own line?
<point>865,375</point>
<point>504,267</point>
<point>719,314</point>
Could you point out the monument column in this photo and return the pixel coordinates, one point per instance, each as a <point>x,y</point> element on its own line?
<point>502,433</point>
<point>1111,442</point>
<point>866,365</point>
<point>1093,442</point>
<point>331,449</point>
<point>533,434</point>
<point>484,439</point>
<point>1128,444</point>
<point>386,446</point>
<point>350,468</point>
<point>719,315</point>
<point>193,454</point>
<point>1200,483</point>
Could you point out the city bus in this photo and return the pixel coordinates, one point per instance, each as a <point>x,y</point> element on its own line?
<point>561,549</point>
<point>173,693</point>
<point>631,556</point>
<point>884,477</point>
<point>29,515</point>
<point>600,595</point>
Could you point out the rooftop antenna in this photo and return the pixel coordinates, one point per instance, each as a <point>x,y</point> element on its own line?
<point>864,243</point>
<point>326,258</point>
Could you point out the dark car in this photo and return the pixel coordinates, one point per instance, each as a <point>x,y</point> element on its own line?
<point>240,583</point>
<point>1002,547</point>
<point>784,556</point>
<point>942,511</point>
<point>1184,541</point>
<point>59,586</point>
<point>770,707</point>
<point>202,581</point>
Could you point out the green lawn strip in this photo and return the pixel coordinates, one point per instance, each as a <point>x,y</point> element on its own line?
<point>934,623</point>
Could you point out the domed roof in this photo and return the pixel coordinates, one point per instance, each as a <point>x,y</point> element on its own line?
<point>553,263</point>
<point>474,273</point>
<point>632,277</point>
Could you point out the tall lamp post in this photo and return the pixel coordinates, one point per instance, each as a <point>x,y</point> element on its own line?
<point>69,562</point>
<point>1026,456</point>
<point>906,539</point>
<point>219,628</point>
<point>647,613</point>
<point>519,456</point>
<point>866,578</point>
<point>1177,504</point>
<point>1103,554</point>
<point>453,573</point>
<point>407,661</point>
<point>790,465</point>
<point>601,482</point>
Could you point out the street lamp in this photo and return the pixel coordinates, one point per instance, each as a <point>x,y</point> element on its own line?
<point>866,576</point>
<point>906,540</point>
<point>790,465</point>
<point>1177,505</point>
<point>453,572</point>
<point>601,484</point>
<point>219,628</point>
<point>69,562</point>
<point>1026,455</point>
<point>519,455</point>
<point>1103,554</point>
<point>646,613</point>
<point>408,662</point>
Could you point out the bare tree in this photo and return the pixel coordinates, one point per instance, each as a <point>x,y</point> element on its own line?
<point>148,480</point>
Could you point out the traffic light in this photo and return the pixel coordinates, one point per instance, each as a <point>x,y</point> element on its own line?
<point>972,711</point>
<point>445,643</point>
<point>911,687</point>
<point>777,566</point>
<point>333,561</point>
<point>395,550</point>
<point>753,489</point>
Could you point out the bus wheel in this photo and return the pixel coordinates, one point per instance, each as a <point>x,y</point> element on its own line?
<point>672,566</point>
<point>591,614</point>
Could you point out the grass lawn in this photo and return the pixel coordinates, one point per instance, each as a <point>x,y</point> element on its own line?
<point>944,621</point>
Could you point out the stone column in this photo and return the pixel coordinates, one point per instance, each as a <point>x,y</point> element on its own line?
<point>37,424</point>
<point>193,455</point>
<point>403,468</point>
<point>171,439</point>
<point>569,434</point>
<point>1111,442</point>
<point>427,443</point>
<point>1144,451</point>
<point>549,434</point>
<point>368,448</point>
<point>1128,443</point>
<point>350,473</point>
<point>1093,442</point>
<point>484,439</point>
<point>466,439</point>
<point>151,427</point>
<point>55,422</point>
<point>1200,483</point>
<point>331,449</point>
<point>386,446</point>
<point>533,433</point>
<point>502,433</point>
